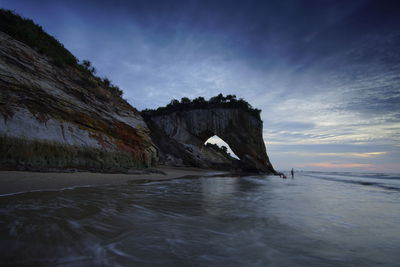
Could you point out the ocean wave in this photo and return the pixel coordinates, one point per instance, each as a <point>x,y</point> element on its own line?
<point>337,178</point>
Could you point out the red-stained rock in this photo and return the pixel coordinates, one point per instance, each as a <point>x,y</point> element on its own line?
<point>43,104</point>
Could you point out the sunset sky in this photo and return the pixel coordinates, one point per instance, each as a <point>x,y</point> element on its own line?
<point>326,73</point>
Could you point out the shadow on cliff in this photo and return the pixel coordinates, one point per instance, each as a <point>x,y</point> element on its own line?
<point>180,130</point>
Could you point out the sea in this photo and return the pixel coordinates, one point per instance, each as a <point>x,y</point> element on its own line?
<point>314,219</point>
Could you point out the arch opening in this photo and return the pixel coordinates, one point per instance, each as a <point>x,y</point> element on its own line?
<point>221,144</point>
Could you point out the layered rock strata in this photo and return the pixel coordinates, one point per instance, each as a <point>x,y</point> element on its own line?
<point>180,136</point>
<point>57,117</point>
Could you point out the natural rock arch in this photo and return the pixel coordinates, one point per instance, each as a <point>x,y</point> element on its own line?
<point>215,140</point>
<point>181,134</point>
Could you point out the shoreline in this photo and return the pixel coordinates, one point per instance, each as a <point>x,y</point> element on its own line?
<point>19,182</point>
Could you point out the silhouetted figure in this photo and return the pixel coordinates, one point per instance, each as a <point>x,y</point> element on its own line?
<point>292,173</point>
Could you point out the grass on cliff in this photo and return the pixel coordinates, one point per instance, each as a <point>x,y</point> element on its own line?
<point>33,35</point>
<point>28,32</point>
<point>219,101</point>
<point>23,154</point>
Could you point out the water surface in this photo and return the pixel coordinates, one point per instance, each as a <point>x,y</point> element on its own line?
<point>316,219</point>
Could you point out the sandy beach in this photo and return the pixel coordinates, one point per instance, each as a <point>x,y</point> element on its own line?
<point>12,182</point>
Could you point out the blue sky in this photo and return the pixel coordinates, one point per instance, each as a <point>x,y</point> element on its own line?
<point>324,72</point>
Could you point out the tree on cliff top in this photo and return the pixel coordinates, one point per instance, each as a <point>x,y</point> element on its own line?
<point>220,100</point>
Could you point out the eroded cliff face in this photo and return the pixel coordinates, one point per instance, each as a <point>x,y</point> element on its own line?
<point>180,135</point>
<point>56,117</point>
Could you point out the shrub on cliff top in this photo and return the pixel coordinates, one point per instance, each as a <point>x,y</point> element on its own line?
<point>33,35</point>
<point>220,100</point>
<point>28,32</point>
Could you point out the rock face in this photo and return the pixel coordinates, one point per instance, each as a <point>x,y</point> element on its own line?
<point>180,136</point>
<point>56,114</point>
<point>57,117</point>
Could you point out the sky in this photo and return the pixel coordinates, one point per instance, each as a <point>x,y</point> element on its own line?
<point>325,73</point>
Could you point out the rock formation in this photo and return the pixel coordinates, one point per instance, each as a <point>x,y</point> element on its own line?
<point>56,114</point>
<point>180,135</point>
<point>61,117</point>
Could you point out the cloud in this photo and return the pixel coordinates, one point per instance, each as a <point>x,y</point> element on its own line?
<point>332,165</point>
<point>340,155</point>
<point>324,73</point>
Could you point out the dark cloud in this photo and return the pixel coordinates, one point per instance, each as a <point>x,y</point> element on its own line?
<point>292,125</point>
<point>321,70</point>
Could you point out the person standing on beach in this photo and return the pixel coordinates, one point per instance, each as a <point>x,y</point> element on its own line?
<point>292,172</point>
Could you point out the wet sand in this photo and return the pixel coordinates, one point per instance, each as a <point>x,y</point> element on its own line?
<point>12,182</point>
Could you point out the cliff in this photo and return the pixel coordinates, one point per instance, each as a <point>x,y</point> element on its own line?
<point>56,115</point>
<point>180,134</point>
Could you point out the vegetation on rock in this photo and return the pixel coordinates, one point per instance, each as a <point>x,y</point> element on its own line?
<point>221,149</point>
<point>44,155</point>
<point>219,101</point>
<point>33,35</point>
<point>28,32</point>
<point>87,67</point>
<point>46,85</point>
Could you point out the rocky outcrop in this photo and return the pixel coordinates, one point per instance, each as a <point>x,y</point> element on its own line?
<point>180,136</point>
<point>56,114</point>
<point>59,117</point>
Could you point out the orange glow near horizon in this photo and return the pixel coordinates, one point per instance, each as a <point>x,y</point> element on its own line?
<point>364,167</point>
